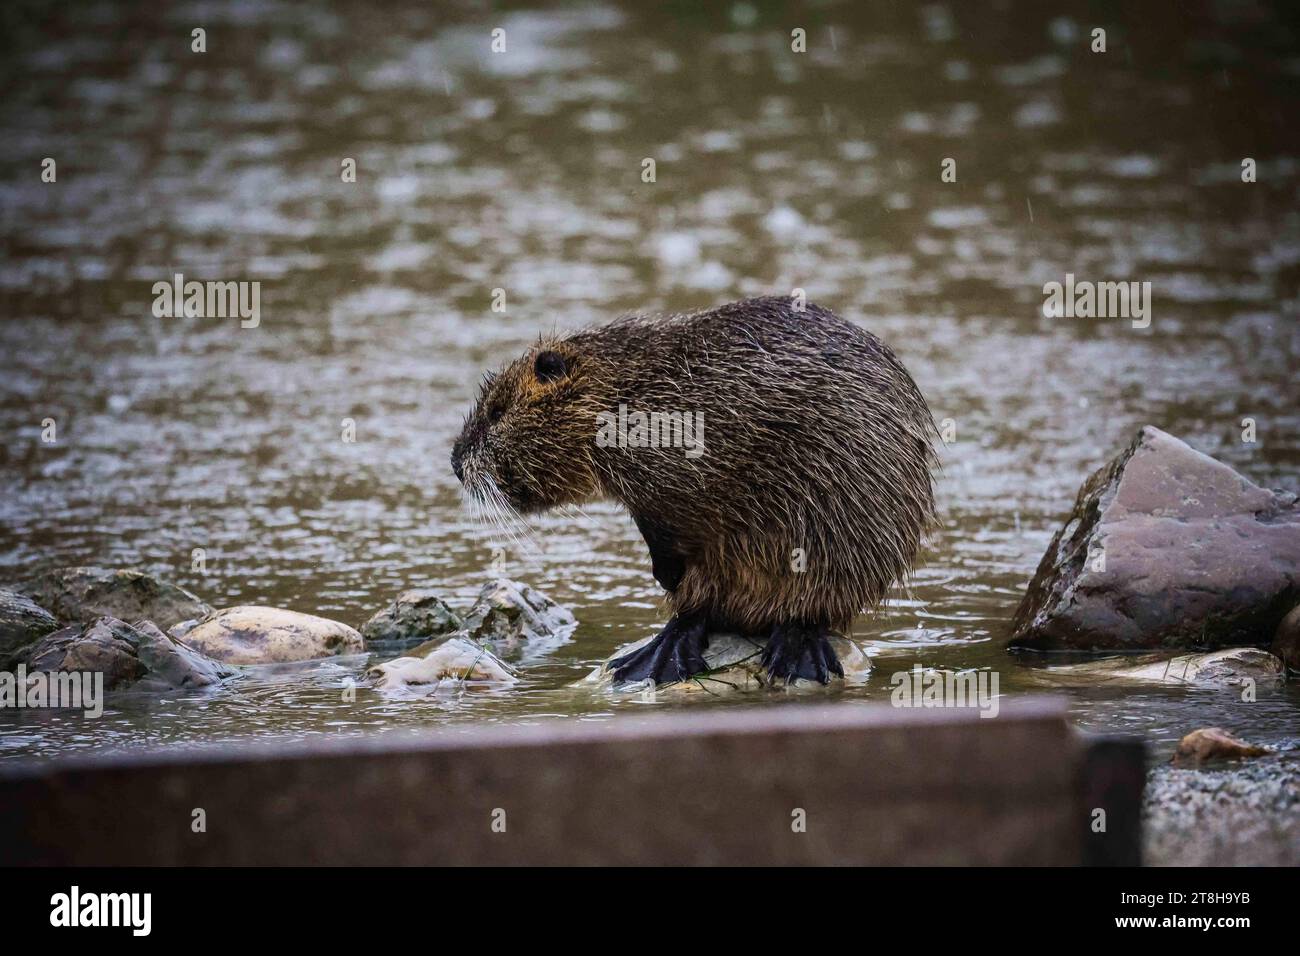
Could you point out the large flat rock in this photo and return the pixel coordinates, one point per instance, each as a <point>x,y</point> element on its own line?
<point>1165,547</point>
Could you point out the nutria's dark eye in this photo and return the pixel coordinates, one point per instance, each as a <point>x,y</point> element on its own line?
<point>549,366</point>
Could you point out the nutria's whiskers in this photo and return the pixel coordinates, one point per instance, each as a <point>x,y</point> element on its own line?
<point>505,518</point>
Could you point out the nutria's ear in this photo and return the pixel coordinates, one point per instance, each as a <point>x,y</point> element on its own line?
<point>549,366</point>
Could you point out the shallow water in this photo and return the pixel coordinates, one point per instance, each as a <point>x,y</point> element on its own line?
<point>522,171</point>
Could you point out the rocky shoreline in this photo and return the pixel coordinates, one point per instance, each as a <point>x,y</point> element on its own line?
<point>144,633</point>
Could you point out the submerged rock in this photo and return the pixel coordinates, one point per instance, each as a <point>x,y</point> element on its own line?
<point>733,666</point>
<point>518,620</point>
<point>1166,547</point>
<point>448,663</point>
<point>417,615</point>
<point>22,622</point>
<point>140,656</point>
<point>83,595</point>
<point>1213,743</point>
<point>250,634</point>
<point>1226,668</point>
<point>1286,642</point>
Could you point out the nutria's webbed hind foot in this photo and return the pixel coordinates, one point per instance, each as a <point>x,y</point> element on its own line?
<point>801,650</point>
<point>675,654</point>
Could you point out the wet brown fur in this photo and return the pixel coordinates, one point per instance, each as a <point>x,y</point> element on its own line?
<point>815,438</point>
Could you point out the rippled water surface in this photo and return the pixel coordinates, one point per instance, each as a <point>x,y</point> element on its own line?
<point>522,171</point>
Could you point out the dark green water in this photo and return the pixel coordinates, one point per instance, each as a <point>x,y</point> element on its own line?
<point>522,171</point>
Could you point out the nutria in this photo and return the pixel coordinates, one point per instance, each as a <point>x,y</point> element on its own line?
<point>797,505</point>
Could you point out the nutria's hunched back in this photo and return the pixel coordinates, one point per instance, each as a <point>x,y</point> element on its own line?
<point>791,490</point>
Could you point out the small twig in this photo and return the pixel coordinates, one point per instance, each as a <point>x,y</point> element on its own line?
<point>464,677</point>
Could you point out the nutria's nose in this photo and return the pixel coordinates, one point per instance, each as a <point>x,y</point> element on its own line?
<point>455,462</point>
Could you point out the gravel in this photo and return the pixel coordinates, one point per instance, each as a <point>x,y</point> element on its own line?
<point>1242,814</point>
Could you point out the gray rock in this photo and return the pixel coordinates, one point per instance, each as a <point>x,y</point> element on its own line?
<point>417,615</point>
<point>22,622</point>
<point>518,620</point>
<point>733,666</point>
<point>139,656</point>
<point>83,595</point>
<point>1166,547</point>
<point>250,634</point>
<point>108,646</point>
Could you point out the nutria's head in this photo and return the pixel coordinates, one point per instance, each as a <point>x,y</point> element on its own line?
<point>530,438</point>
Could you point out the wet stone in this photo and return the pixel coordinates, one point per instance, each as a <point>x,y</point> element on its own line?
<point>140,656</point>
<point>250,634</point>
<point>1165,548</point>
<point>82,595</point>
<point>418,615</point>
<point>22,622</point>
<point>518,621</point>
